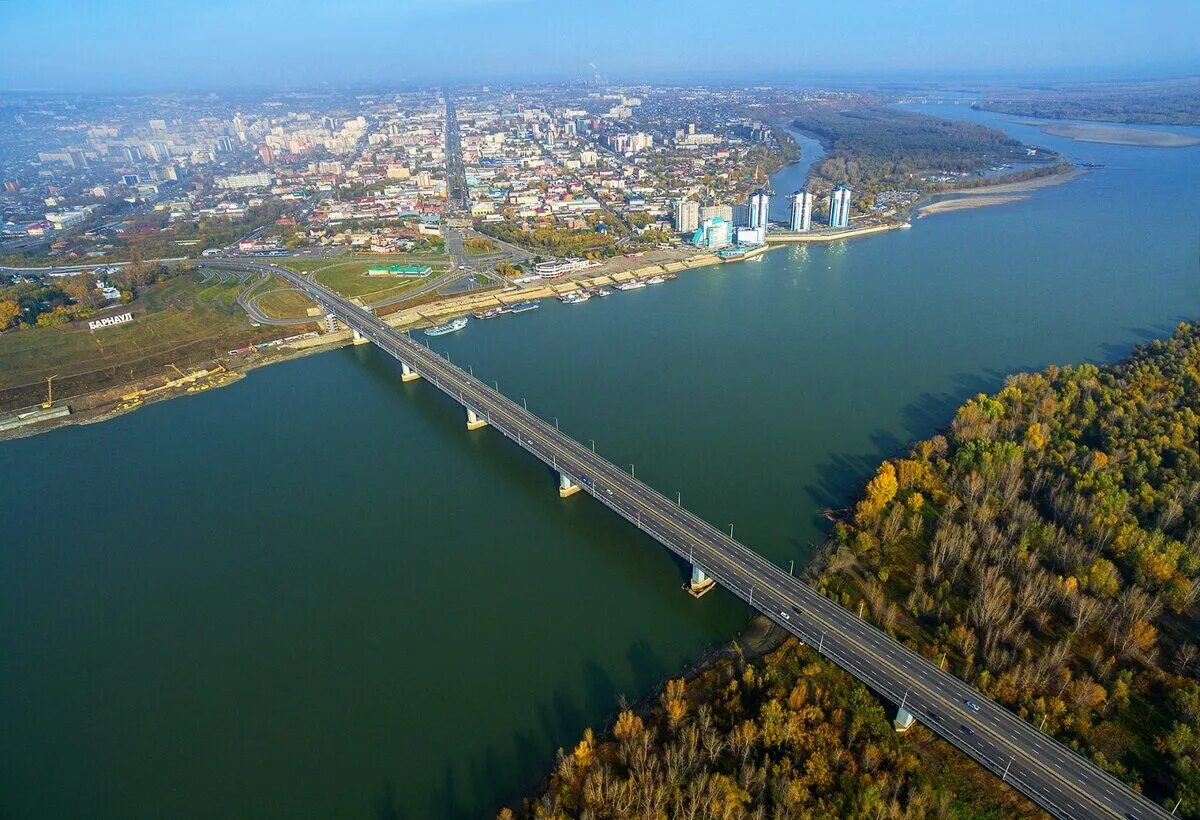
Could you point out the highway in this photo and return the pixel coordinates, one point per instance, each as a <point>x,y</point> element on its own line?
<point>1054,777</point>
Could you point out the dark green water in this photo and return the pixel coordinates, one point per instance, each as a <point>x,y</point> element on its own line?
<point>314,594</point>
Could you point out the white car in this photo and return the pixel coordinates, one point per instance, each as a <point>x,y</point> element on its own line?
<point>784,615</point>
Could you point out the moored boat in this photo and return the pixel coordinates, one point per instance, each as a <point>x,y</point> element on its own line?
<point>450,327</point>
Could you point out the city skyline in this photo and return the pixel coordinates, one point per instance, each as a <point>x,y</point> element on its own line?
<point>66,45</point>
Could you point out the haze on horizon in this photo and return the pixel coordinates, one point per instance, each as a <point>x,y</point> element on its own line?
<point>80,45</point>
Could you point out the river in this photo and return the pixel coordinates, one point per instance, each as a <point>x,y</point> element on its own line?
<point>314,594</point>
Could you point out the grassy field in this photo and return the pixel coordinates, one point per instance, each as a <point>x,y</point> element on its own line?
<point>183,321</point>
<point>284,304</point>
<point>365,261</point>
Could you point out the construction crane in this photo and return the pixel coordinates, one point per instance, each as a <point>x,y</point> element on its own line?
<point>49,392</point>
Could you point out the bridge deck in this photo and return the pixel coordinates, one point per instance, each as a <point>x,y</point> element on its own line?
<point>1053,776</point>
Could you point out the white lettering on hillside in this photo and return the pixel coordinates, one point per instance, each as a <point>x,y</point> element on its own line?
<point>109,321</point>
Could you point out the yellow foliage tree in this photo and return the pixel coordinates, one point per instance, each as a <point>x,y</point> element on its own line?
<point>880,490</point>
<point>8,312</point>
<point>585,752</point>
<point>1035,436</point>
<point>629,726</point>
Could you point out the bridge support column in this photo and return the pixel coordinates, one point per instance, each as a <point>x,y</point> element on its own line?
<point>904,720</point>
<point>332,325</point>
<point>700,583</point>
<point>407,374</point>
<point>474,422</point>
<point>566,486</point>
<point>360,339</point>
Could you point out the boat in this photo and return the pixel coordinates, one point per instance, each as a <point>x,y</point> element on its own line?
<point>670,276</point>
<point>574,297</point>
<point>491,313</point>
<point>449,327</point>
<point>521,307</point>
<point>655,280</point>
<point>633,284</point>
<point>604,292</point>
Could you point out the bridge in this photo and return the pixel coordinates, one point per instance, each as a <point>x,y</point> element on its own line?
<point>1051,775</point>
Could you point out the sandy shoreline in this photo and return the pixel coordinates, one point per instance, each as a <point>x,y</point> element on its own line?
<point>985,195</point>
<point>1115,135</point>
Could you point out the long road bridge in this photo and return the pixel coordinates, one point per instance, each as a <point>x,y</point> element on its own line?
<point>1050,774</point>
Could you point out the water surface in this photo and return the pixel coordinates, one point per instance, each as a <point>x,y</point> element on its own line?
<point>314,594</point>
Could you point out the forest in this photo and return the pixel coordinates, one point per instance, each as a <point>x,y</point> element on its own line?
<point>874,148</point>
<point>1167,103</point>
<point>784,735</point>
<point>1048,543</point>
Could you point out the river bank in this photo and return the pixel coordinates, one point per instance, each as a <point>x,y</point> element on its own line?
<point>102,405</point>
<point>1115,134</point>
<point>246,579</point>
<point>982,196</point>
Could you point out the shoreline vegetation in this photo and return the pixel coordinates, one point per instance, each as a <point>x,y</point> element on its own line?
<point>1171,102</point>
<point>883,150</point>
<point>105,402</point>
<point>1047,545</point>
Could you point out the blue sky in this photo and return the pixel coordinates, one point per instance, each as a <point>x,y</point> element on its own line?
<point>163,44</point>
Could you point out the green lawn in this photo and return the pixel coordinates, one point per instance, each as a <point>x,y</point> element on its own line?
<point>350,280</point>
<point>284,304</point>
<point>434,260</point>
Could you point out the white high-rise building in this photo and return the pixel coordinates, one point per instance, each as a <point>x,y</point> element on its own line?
<point>723,211</point>
<point>839,207</point>
<point>687,215</point>
<point>760,207</point>
<point>802,202</point>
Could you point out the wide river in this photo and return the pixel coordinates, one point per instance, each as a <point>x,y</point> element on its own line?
<point>314,594</point>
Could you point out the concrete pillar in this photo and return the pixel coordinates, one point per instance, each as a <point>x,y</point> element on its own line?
<point>474,422</point>
<point>566,485</point>
<point>331,323</point>
<point>360,339</point>
<point>407,374</point>
<point>700,583</point>
<point>904,720</point>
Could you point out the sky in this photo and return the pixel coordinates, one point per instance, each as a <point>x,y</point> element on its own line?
<point>135,45</point>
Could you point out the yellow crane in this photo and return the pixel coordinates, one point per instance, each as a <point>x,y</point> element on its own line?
<point>49,392</point>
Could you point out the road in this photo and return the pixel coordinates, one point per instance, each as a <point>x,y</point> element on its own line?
<point>1053,776</point>
<point>458,196</point>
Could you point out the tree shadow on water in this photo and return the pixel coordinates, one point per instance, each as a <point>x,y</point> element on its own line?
<point>386,806</point>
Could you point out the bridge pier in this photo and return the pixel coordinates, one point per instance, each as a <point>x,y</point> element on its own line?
<point>904,720</point>
<point>700,583</point>
<point>332,325</point>
<point>360,339</point>
<point>474,422</point>
<point>407,374</point>
<point>566,486</point>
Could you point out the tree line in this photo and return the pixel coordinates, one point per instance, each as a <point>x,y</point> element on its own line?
<point>1045,547</point>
